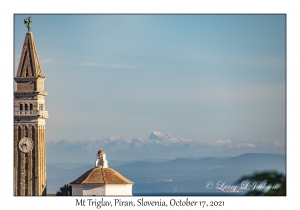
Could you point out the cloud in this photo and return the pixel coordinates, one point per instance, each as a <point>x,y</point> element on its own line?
<point>91,64</point>
<point>45,60</point>
<point>243,145</point>
<point>270,63</point>
<point>234,144</point>
<point>119,66</point>
<point>251,144</point>
<point>273,144</point>
<point>276,144</point>
<point>222,142</point>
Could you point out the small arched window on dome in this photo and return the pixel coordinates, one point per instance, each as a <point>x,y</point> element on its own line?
<point>21,107</point>
<point>31,107</point>
<point>26,107</point>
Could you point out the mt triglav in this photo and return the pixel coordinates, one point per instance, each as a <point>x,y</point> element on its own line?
<point>158,145</point>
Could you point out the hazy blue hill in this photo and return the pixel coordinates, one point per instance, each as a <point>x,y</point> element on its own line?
<point>257,161</point>
<point>191,175</point>
<point>67,165</point>
<point>180,161</point>
<point>178,175</point>
<point>57,177</point>
<point>140,165</point>
<point>118,162</point>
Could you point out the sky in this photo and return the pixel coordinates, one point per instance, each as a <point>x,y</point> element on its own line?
<point>203,77</point>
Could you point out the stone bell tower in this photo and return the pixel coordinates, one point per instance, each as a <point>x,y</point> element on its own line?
<point>29,123</point>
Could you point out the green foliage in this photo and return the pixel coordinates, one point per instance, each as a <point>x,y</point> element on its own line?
<point>270,179</point>
<point>66,190</point>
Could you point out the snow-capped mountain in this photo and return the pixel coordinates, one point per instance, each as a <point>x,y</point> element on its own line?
<point>157,145</point>
<point>156,135</point>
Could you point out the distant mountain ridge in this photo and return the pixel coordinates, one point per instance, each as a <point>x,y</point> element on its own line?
<point>157,145</point>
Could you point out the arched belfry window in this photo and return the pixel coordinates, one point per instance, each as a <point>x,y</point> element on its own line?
<point>31,107</point>
<point>26,107</point>
<point>26,131</point>
<point>21,107</point>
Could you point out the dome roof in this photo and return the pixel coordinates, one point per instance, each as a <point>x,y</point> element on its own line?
<point>101,152</point>
<point>101,176</point>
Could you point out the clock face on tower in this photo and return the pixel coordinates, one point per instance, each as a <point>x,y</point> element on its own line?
<point>25,144</point>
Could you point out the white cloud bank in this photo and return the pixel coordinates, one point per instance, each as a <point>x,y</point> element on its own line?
<point>119,66</point>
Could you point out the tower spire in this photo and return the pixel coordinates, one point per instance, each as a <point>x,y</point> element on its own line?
<point>29,65</point>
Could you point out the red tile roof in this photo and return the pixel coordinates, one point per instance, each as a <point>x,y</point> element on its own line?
<point>102,176</point>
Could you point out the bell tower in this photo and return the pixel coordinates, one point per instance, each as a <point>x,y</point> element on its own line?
<point>29,123</point>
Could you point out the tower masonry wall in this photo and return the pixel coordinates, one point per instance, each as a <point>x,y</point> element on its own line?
<point>29,124</point>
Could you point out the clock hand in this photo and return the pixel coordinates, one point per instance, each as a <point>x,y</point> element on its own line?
<point>24,145</point>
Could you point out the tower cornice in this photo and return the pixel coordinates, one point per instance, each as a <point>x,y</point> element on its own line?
<point>30,93</point>
<point>29,78</point>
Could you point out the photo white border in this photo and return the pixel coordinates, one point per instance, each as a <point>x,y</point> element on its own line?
<point>155,6</point>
